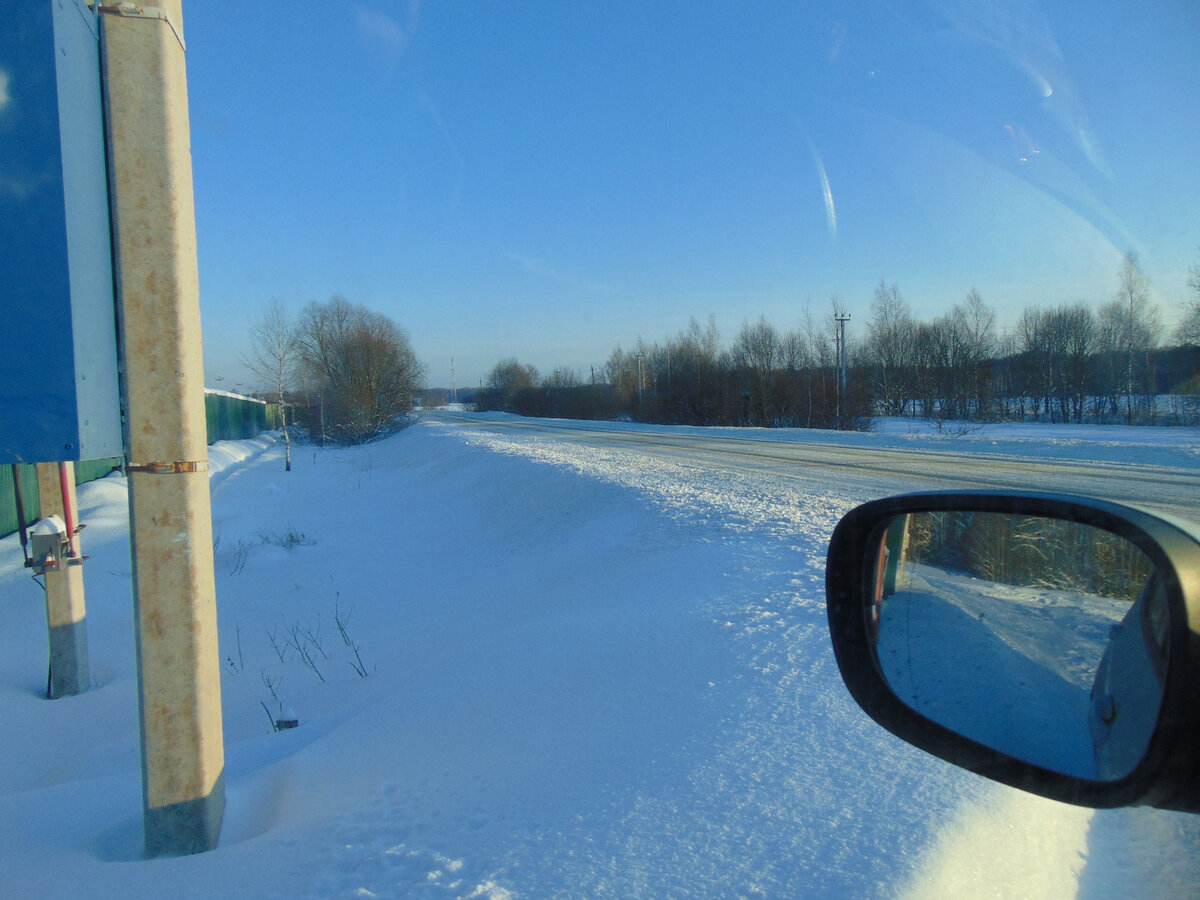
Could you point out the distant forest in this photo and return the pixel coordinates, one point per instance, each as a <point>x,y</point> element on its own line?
<point>1066,363</point>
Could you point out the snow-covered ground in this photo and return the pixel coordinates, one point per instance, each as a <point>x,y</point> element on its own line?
<point>589,672</point>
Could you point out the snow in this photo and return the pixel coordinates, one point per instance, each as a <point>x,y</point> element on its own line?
<point>49,525</point>
<point>1011,667</point>
<point>1140,445</point>
<point>569,670</point>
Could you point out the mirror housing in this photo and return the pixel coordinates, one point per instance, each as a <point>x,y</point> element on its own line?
<point>1168,773</point>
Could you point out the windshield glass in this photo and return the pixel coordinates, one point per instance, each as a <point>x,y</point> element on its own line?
<point>554,182</point>
<point>546,344</point>
<point>767,252</point>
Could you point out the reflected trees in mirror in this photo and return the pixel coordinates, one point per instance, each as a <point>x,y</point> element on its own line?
<point>1039,637</point>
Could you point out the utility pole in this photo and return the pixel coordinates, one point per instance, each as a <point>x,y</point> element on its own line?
<point>841,319</point>
<point>1129,382</point>
<point>453,383</point>
<point>640,357</point>
<point>154,230</point>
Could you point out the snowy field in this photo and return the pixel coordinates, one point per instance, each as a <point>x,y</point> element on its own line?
<point>568,671</point>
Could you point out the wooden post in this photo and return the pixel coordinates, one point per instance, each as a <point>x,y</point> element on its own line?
<point>65,610</point>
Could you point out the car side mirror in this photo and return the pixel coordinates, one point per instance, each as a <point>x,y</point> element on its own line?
<point>1045,641</point>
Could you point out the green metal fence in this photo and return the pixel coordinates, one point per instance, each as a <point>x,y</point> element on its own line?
<point>228,418</point>
<point>8,497</point>
<point>233,418</point>
<point>85,471</point>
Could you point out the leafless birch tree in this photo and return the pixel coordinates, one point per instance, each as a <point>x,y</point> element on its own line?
<point>274,353</point>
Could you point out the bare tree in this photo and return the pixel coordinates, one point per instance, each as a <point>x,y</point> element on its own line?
<point>273,357</point>
<point>1034,378</point>
<point>932,362</point>
<point>621,371</point>
<point>562,379</point>
<point>695,374</point>
<point>1188,331</point>
<point>973,325</point>
<point>1073,332</point>
<point>1139,325</point>
<point>889,348</point>
<point>363,366</point>
<point>507,380</point>
<point>1059,359</point>
<point>756,352</point>
<point>1010,396</point>
<point>1107,366</point>
<point>1188,334</point>
<point>819,335</point>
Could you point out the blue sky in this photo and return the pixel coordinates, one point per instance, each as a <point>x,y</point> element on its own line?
<point>547,180</point>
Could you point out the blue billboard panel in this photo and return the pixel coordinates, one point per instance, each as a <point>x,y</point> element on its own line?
<point>59,391</point>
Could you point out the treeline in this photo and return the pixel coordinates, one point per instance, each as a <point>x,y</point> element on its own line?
<point>765,378</point>
<point>1029,551</point>
<point>1065,363</point>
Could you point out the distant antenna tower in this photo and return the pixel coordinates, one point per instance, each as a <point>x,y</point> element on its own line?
<point>453,383</point>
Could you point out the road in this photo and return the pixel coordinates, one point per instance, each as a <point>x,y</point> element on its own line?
<point>793,693</point>
<point>871,471</point>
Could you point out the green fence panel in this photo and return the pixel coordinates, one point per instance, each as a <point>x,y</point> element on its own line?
<point>8,497</point>
<point>231,419</point>
<point>85,470</point>
<point>226,419</point>
<point>238,418</point>
<point>210,416</point>
<point>90,469</point>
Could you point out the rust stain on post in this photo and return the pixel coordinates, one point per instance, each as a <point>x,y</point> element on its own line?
<point>158,295</point>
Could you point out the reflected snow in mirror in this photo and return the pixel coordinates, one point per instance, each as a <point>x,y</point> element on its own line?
<point>1041,638</point>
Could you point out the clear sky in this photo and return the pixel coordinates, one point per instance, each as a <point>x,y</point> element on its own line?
<point>549,179</point>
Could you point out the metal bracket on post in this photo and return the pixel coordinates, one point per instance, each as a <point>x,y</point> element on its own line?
<point>133,11</point>
<point>170,468</point>
<point>50,551</point>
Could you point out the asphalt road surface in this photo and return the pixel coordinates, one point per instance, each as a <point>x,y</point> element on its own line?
<point>870,472</point>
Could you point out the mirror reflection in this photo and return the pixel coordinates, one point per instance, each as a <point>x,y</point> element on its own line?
<point>1039,637</point>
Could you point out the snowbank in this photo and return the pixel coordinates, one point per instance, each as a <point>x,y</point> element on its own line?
<point>520,668</point>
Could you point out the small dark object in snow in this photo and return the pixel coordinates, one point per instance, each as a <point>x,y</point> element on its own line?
<point>287,720</point>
